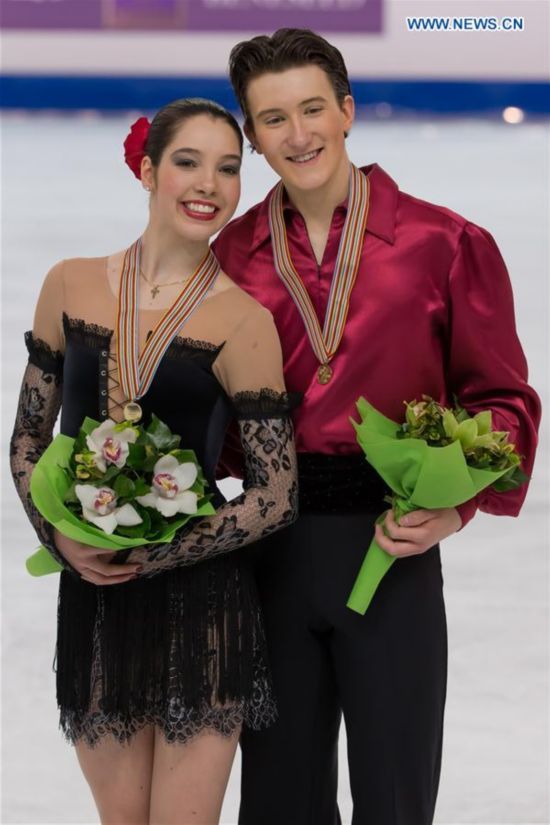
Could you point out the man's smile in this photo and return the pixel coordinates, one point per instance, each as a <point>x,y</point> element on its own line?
<point>307,157</point>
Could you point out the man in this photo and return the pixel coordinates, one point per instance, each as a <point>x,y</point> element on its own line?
<point>379,294</point>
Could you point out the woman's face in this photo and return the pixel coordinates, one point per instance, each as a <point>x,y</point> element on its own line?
<point>196,186</point>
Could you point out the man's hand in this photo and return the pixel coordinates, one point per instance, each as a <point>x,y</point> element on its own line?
<point>93,563</point>
<point>417,532</point>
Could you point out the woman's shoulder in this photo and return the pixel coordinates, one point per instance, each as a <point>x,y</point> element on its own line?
<point>243,304</point>
<point>71,269</point>
<point>79,266</point>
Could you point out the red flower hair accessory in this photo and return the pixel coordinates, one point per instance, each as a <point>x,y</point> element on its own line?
<point>134,145</point>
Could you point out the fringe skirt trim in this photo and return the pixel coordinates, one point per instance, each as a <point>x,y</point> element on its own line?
<point>184,651</point>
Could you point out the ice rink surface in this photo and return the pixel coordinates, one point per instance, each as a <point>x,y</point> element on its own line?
<point>66,192</point>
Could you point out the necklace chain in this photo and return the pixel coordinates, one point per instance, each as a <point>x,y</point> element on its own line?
<point>155,288</point>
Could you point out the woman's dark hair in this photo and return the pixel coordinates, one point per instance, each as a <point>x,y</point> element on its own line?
<point>286,49</point>
<point>168,120</point>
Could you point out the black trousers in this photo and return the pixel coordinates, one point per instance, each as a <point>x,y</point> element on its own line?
<point>385,672</point>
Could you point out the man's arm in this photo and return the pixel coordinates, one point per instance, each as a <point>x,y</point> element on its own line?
<point>486,369</point>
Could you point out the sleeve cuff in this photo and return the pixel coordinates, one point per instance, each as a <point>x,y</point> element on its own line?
<point>47,539</point>
<point>466,512</point>
<point>265,403</point>
<point>43,356</point>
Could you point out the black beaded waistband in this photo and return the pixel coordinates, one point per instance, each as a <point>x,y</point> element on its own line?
<point>339,484</point>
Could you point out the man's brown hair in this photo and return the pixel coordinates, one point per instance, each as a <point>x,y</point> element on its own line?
<point>286,49</point>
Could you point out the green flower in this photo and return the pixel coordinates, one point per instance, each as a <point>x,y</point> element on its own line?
<point>482,446</point>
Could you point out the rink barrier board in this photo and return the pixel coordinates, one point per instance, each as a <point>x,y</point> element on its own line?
<point>116,93</point>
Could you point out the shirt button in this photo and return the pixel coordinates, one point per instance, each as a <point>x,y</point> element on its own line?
<point>103,392</point>
<point>103,372</point>
<point>103,412</point>
<point>104,353</point>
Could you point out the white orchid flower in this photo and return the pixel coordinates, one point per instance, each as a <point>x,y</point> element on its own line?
<point>110,446</point>
<point>170,493</point>
<point>99,507</point>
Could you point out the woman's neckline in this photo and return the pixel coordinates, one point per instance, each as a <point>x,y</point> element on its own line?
<point>109,260</point>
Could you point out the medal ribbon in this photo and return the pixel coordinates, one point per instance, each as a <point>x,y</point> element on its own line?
<point>324,342</point>
<point>137,371</point>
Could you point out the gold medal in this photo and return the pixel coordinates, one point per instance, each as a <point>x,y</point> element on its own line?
<point>324,373</point>
<point>132,412</point>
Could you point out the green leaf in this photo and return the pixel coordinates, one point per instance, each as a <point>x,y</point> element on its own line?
<point>138,531</point>
<point>149,463</point>
<point>70,495</point>
<point>185,456</point>
<point>142,439</point>
<point>89,425</point>
<point>510,481</point>
<point>80,444</point>
<point>124,487</point>
<point>141,488</point>
<point>136,456</point>
<point>111,473</point>
<point>161,435</point>
<point>461,414</point>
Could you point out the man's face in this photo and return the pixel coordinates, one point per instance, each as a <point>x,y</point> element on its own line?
<point>298,124</point>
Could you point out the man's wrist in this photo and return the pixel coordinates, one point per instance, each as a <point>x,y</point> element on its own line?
<point>466,512</point>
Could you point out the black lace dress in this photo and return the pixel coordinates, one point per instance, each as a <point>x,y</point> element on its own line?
<point>182,646</point>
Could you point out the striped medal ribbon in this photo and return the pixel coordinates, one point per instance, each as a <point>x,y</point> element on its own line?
<point>324,342</point>
<point>136,370</point>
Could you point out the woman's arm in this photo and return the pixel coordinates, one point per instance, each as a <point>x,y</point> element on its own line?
<point>251,371</point>
<point>269,501</point>
<point>38,408</point>
<point>40,398</point>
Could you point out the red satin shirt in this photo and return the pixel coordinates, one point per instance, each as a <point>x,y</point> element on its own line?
<point>431,313</point>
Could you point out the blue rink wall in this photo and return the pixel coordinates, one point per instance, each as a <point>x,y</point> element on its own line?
<point>123,92</point>
<point>394,69</point>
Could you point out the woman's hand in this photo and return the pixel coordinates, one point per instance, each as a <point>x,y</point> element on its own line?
<point>93,562</point>
<point>417,532</point>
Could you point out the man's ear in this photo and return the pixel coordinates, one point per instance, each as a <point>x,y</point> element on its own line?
<point>348,110</point>
<point>248,129</point>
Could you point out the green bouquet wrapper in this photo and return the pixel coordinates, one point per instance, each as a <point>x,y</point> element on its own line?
<point>419,475</point>
<point>49,484</point>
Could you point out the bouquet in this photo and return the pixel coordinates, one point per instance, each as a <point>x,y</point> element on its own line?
<point>438,458</point>
<point>116,486</point>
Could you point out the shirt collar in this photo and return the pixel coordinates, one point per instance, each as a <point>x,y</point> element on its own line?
<point>382,210</point>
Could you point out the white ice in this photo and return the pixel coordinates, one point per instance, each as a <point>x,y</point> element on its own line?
<point>67,193</point>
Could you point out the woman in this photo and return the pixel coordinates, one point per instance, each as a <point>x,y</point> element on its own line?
<point>156,675</point>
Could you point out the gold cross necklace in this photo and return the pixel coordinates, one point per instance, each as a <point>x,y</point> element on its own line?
<point>155,288</point>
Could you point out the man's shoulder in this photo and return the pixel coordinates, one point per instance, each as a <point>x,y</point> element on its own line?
<point>415,208</point>
<point>393,209</point>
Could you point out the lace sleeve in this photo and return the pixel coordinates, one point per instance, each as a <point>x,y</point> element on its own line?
<point>250,369</point>
<point>269,501</point>
<point>39,404</point>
